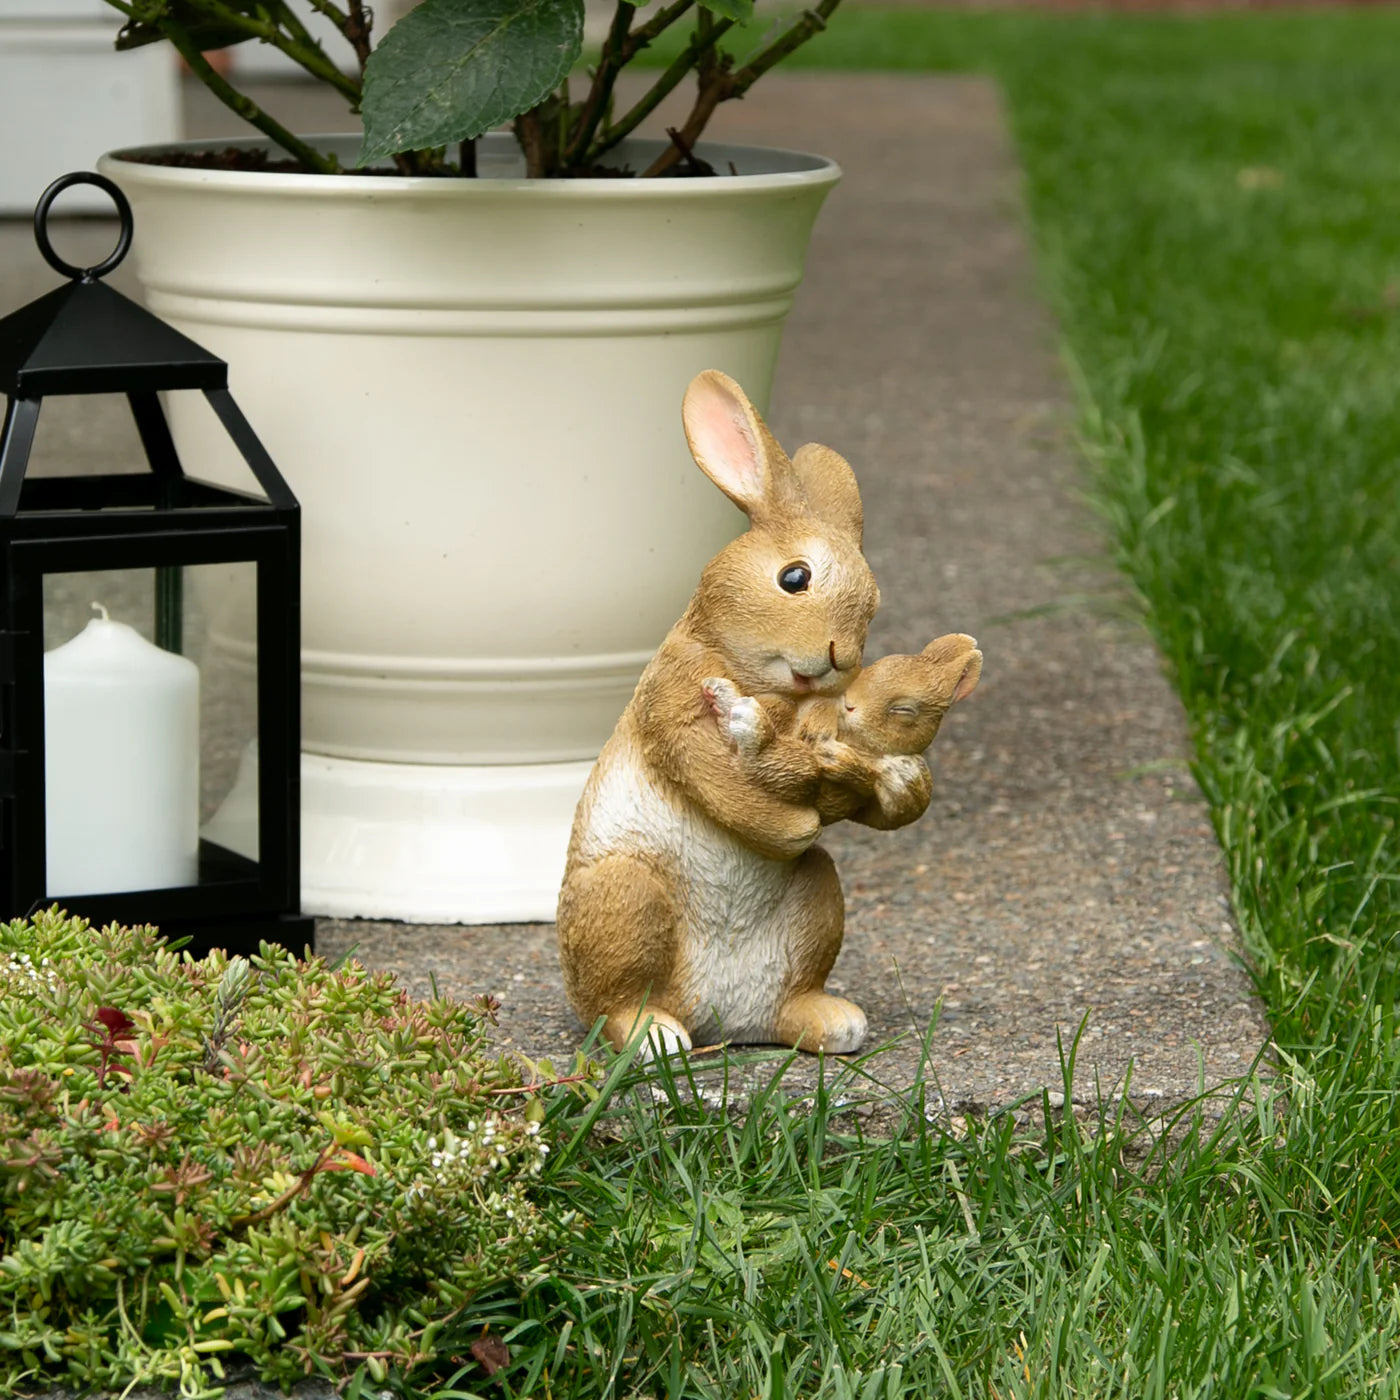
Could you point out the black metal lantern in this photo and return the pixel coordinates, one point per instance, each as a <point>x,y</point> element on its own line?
<point>110,802</point>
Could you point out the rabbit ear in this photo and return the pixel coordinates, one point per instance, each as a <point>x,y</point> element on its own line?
<point>730,442</point>
<point>946,647</point>
<point>949,648</point>
<point>829,485</point>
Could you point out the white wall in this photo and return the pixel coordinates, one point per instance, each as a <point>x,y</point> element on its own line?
<point>66,96</point>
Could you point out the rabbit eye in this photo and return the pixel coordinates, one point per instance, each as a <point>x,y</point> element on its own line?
<point>795,578</point>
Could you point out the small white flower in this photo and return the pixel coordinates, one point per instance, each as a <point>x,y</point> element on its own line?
<point>432,1142</point>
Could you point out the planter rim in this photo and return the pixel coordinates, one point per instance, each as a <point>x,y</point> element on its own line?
<point>797,169</point>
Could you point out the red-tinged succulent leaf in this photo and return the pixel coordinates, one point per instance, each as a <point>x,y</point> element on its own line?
<point>346,1161</point>
<point>116,1021</point>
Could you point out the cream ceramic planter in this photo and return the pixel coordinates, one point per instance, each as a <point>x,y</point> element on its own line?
<point>474,388</point>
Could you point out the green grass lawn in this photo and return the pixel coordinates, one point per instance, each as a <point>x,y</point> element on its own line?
<point>1217,206</point>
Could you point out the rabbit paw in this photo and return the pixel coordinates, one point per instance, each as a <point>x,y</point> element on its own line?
<point>745,725</point>
<point>843,764</point>
<point>720,696</point>
<point>900,775</point>
<point>740,716</point>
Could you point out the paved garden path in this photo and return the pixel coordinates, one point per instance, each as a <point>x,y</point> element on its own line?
<point>1066,869</point>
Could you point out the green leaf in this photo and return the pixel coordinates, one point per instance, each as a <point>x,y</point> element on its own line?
<point>740,11</point>
<point>451,69</point>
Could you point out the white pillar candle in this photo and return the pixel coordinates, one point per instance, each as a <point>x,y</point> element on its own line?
<point>121,764</point>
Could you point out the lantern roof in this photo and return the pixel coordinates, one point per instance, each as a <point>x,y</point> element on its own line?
<point>85,338</point>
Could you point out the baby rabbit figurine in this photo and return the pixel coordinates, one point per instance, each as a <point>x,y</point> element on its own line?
<point>693,894</point>
<point>893,707</point>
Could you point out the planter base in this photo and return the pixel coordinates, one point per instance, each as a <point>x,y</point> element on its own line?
<point>435,845</point>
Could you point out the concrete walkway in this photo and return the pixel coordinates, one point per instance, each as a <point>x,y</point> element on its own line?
<point>1066,868</point>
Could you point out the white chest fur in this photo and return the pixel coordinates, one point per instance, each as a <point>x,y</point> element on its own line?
<point>735,935</point>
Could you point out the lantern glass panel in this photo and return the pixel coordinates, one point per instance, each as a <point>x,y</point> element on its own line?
<point>151,761</point>
<point>101,438</point>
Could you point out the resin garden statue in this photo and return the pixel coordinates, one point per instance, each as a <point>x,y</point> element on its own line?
<point>695,896</point>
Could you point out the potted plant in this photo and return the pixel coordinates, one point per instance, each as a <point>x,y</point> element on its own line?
<point>467,350</point>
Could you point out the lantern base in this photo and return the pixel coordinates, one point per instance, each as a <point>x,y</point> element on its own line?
<point>430,844</point>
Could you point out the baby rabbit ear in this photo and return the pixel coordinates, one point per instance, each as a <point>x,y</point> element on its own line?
<point>829,486</point>
<point>951,648</point>
<point>967,682</point>
<point>729,441</point>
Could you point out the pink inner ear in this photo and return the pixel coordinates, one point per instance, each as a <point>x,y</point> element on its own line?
<point>725,443</point>
<point>967,683</point>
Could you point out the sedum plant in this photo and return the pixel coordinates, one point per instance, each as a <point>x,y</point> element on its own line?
<point>450,70</point>
<point>258,1160</point>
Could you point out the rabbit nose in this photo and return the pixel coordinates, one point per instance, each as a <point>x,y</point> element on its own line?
<point>847,665</point>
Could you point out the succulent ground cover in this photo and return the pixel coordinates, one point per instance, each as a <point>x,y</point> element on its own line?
<point>262,1159</point>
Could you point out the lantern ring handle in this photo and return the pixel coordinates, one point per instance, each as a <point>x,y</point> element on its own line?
<point>41,225</point>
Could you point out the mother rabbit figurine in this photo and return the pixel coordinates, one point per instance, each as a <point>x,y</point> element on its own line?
<point>693,895</point>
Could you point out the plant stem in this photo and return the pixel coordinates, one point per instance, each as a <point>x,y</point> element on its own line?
<point>245,107</point>
<point>665,84</point>
<point>709,60</point>
<point>356,25</point>
<point>332,12</point>
<point>541,1084</point>
<point>357,30</point>
<point>604,77</point>
<point>620,47</point>
<point>663,19</point>
<point>287,1197</point>
<point>711,94</point>
<point>305,52</point>
<point>466,160</point>
<point>719,85</point>
<point>811,24</point>
<point>529,131</point>
<point>560,122</point>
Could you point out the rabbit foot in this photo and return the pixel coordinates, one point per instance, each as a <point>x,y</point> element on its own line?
<point>664,1035</point>
<point>822,1023</point>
